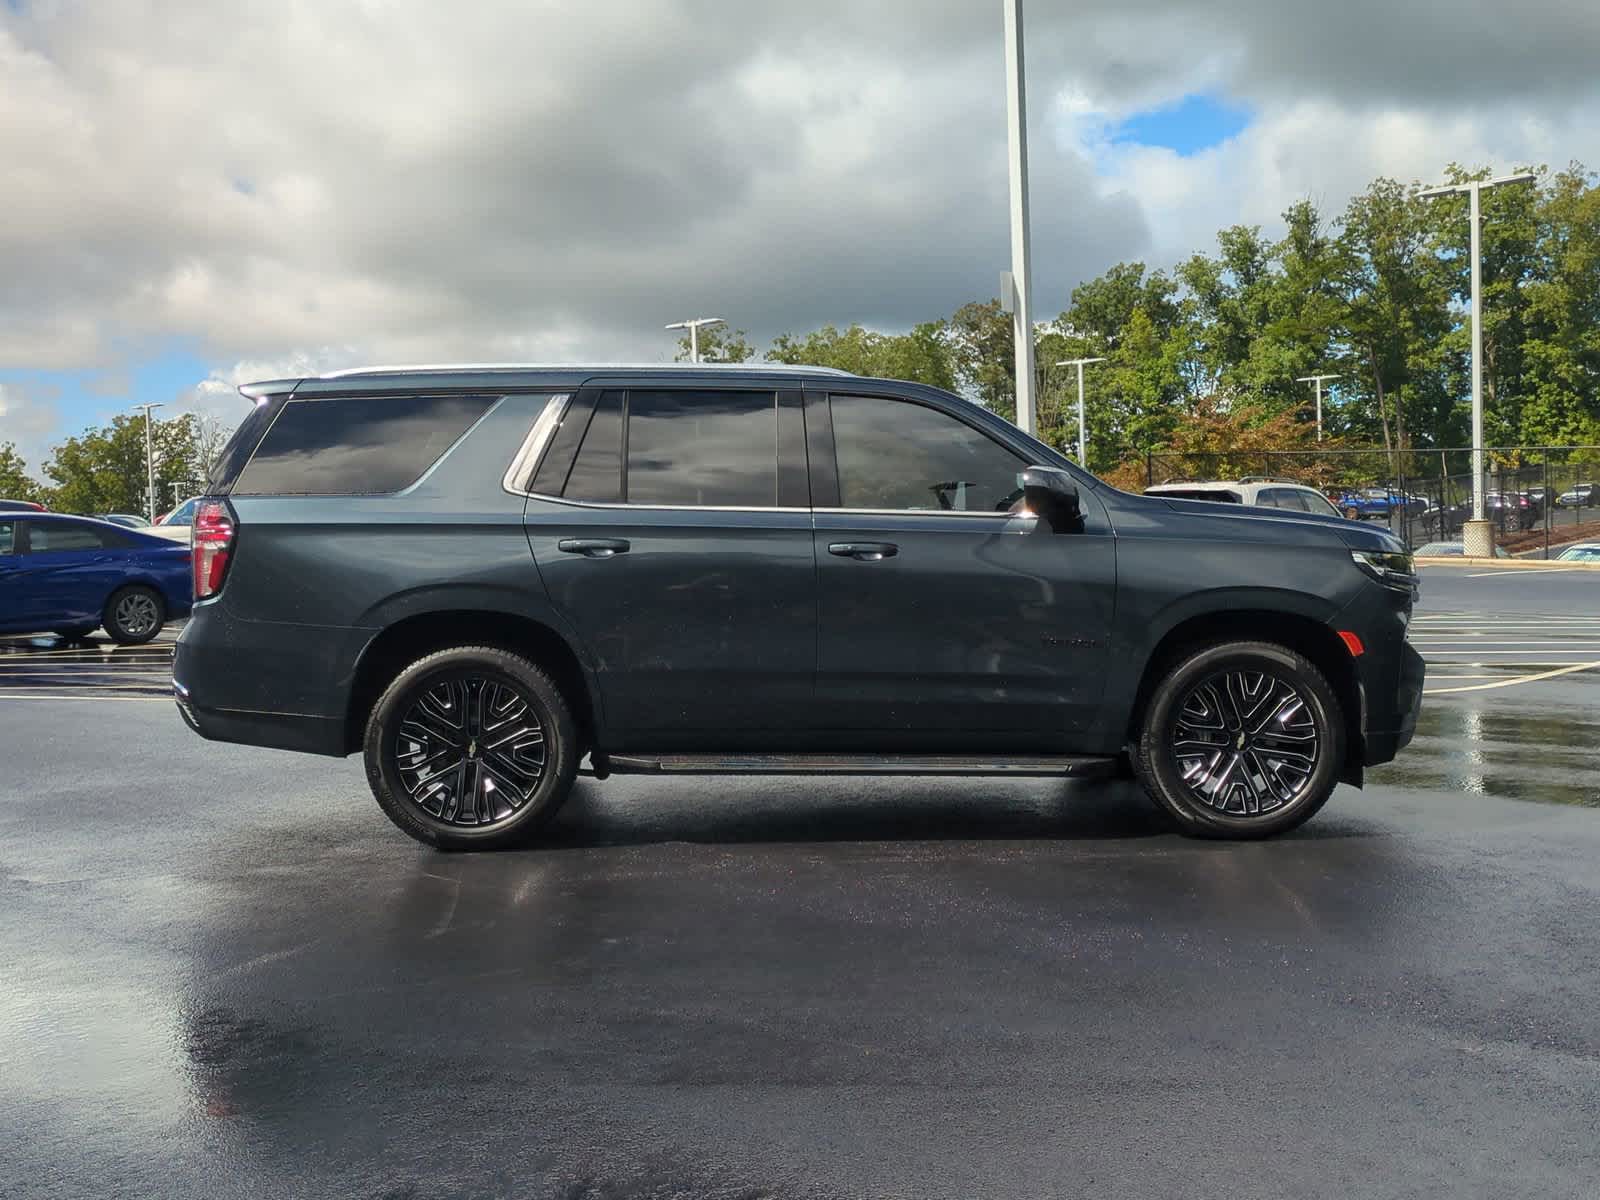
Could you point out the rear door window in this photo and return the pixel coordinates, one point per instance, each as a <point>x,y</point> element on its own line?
<point>597,471</point>
<point>698,449</point>
<point>8,537</point>
<point>357,445</point>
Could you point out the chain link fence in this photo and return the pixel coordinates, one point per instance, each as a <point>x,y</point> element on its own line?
<point>1540,498</point>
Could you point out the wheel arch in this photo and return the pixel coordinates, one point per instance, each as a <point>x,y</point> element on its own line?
<point>409,638</point>
<point>1304,634</point>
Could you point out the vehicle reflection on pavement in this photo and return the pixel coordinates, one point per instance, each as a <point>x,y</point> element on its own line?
<point>46,666</point>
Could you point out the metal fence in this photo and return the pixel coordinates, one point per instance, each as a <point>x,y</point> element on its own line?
<point>1540,498</point>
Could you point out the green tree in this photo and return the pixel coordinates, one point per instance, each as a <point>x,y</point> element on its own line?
<point>718,344</point>
<point>921,356</point>
<point>15,482</point>
<point>1561,358</point>
<point>103,470</point>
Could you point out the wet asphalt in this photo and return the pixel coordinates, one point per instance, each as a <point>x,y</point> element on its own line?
<point>222,973</point>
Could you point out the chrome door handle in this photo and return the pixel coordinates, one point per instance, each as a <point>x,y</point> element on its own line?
<point>864,551</point>
<point>594,547</point>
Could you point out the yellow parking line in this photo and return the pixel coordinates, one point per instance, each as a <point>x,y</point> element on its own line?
<point>1504,683</point>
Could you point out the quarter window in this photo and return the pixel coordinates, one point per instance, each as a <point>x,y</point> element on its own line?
<point>44,537</point>
<point>7,537</point>
<point>357,445</point>
<point>894,454</point>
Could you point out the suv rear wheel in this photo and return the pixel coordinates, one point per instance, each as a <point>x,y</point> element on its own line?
<point>472,748</point>
<point>1241,740</point>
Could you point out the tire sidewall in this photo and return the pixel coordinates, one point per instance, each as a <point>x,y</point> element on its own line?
<point>561,750</point>
<point>1163,777</point>
<point>116,632</point>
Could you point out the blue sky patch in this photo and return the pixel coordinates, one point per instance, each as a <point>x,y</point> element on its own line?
<point>1188,126</point>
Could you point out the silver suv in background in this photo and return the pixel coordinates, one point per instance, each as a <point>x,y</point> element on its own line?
<point>1262,492</point>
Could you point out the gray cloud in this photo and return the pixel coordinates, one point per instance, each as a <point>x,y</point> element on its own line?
<point>403,179</point>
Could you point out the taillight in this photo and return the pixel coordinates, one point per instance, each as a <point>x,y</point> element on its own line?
<point>211,539</point>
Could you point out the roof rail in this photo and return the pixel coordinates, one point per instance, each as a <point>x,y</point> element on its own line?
<point>1270,479</point>
<point>425,368</point>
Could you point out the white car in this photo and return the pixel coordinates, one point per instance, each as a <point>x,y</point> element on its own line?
<point>1583,552</point>
<point>1266,493</point>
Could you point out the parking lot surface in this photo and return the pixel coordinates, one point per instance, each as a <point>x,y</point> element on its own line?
<point>226,974</point>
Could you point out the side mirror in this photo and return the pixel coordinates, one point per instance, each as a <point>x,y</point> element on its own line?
<point>1052,496</point>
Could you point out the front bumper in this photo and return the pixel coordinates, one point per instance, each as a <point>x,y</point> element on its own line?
<point>1382,744</point>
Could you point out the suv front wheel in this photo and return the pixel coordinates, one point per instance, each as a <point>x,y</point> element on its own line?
<point>1241,740</point>
<point>472,748</point>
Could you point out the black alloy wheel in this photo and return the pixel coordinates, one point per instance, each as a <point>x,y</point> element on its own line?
<point>470,751</point>
<point>472,747</point>
<point>1244,742</point>
<point>1241,740</point>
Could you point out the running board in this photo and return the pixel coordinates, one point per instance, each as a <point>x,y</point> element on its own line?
<point>1076,766</point>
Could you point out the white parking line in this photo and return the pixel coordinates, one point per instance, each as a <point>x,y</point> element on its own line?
<point>99,699</point>
<point>1540,571</point>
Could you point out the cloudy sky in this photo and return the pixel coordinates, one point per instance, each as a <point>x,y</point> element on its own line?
<point>198,192</point>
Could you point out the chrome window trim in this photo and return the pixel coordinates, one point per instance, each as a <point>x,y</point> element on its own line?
<point>694,508</point>
<point>520,473</point>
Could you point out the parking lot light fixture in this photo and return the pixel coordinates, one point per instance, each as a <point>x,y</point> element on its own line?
<point>694,326</point>
<point>1021,299</point>
<point>1083,437</point>
<point>149,460</point>
<point>1317,379</point>
<point>1473,189</point>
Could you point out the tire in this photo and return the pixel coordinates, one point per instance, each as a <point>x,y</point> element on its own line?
<point>134,615</point>
<point>1283,791</point>
<point>412,741</point>
<point>1352,514</point>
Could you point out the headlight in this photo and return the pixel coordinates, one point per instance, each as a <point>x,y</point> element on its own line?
<point>1393,569</point>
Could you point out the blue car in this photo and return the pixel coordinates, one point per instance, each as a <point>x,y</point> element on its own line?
<point>71,575</point>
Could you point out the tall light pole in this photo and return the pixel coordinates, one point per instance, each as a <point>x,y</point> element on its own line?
<point>150,459</point>
<point>1021,300</point>
<point>1083,440</point>
<point>1479,542</point>
<point>1318,380</point>
<point>694,327</point>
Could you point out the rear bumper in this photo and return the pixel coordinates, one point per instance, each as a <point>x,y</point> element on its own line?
<point>264,683</point>
<point>276,731</point>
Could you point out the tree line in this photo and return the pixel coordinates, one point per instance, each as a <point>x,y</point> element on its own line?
<point>1206,354</point>
<point>1202,356</point>
<point>102,470</point>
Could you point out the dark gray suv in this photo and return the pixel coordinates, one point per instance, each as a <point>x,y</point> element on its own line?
<point>478,577</point>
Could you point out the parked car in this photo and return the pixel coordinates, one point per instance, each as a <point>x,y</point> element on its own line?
<point>182,515</point>
<point>1585,552</point>
<point>1539,495</point>
<point>476,577</point>
<point>1511,511</point>
<point>127,520</point>
<point>1277,493</point>
<point>1378,502</point>
<point>72,575</point>
<point>1584,495</point>
<point>1452,550</point>
<point>20,506</point>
